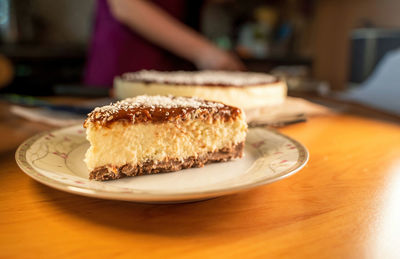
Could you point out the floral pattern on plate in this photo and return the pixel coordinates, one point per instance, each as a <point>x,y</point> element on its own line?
<point>56,159</point>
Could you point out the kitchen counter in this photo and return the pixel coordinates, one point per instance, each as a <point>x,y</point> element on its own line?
<point>344,204</point>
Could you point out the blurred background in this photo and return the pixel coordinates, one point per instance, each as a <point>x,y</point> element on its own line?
<point>320,46</point>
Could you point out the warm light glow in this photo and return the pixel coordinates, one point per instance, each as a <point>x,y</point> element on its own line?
<point>386,240</point>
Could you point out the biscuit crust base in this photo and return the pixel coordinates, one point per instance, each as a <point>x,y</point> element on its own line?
<point>110,172</point>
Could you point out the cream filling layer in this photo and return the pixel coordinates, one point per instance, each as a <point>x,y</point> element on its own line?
<point>121,144</point>
<point>245,97</point>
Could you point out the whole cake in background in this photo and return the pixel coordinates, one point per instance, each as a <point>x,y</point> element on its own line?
<point>246,90</point>
<point>153,134</point>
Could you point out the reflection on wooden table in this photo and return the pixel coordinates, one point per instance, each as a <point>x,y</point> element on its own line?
<point>344,203</point>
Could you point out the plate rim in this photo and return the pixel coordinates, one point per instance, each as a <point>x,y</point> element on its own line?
<point>20,157</point>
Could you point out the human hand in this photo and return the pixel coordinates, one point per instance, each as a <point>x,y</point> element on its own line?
<point>217,59</point>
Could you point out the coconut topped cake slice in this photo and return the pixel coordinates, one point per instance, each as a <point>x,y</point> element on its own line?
<point>153,134</point>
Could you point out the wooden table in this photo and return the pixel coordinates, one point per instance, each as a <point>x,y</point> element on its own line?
<point>344,204</point>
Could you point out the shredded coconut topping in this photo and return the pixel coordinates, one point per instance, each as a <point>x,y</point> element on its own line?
<point>143,109</point>
<point>154,102</point>
<point>205,77</point>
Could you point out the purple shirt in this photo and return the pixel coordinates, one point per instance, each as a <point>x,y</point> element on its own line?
<point>116,49</point>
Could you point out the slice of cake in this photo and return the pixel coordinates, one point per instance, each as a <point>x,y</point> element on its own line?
<point>153,134</point>
<point>243,89</point>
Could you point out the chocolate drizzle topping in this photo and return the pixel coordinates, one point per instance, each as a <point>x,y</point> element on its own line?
<point>158,109</point>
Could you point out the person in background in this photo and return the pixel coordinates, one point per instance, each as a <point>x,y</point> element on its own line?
<point>130,35</point>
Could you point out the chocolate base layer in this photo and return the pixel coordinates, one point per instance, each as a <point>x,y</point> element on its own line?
<point>110,172</point>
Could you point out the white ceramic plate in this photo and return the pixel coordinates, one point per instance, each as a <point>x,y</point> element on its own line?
<point>56,159</point>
